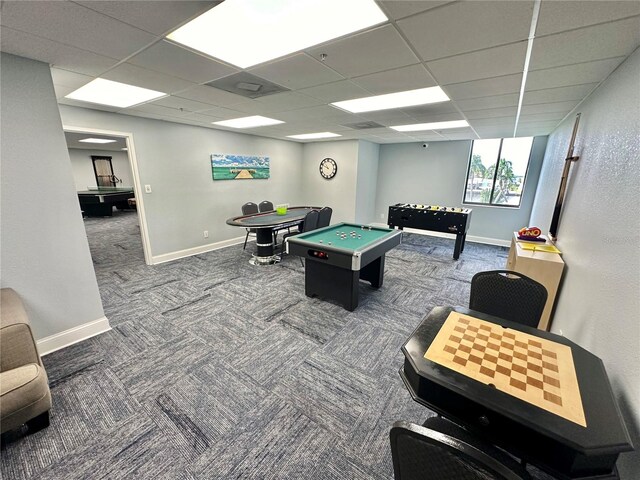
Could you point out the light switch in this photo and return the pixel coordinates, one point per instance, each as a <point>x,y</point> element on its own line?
<point>147,188</point>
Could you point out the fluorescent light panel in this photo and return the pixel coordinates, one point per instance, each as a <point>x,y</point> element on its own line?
<point>96,140</point>
<point>409,98</point>
<point>248,122</point>
<point>431,126</point>
<point>115,94</point>
<point>248,32</point>
<point>311,136</point>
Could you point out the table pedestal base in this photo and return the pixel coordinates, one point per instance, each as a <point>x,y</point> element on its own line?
<point>270,260</point>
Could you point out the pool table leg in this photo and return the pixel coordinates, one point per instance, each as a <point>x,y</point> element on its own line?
<point>329,281</point>
<point>374,272</point>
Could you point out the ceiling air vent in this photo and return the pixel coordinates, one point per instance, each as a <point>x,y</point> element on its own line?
<point>247,85</point>
<point>363,125</point>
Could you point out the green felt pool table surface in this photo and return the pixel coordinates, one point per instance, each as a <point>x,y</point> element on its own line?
<point>330,234</point>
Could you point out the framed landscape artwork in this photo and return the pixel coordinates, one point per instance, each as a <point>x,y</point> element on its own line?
<point>239,167</point>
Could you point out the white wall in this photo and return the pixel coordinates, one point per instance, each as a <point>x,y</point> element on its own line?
<point>599,235</point>
<point>175,160</point>
<point>410,173</point>
<point>82,167</point>
<point>366,183</point>
<point>44,252</point>
<point>338,193</point>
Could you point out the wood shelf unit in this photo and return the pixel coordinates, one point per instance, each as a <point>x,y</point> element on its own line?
<point>543,267</point>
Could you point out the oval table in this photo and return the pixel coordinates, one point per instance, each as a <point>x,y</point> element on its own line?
<point>265,223</point>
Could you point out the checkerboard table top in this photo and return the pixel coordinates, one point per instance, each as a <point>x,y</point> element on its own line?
<point>536,370</point>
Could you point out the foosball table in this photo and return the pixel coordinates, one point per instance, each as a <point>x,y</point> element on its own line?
<point>432,217</point>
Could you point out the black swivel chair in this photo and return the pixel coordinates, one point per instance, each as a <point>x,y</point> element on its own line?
<point>265,206</point>
<point>310,223</point>
<point>441,450</point>
<point>509,295</point>
<point>324,217</point>
<point>248,209</point>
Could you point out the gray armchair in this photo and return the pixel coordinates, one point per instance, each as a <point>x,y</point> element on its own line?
<point>24,390</point>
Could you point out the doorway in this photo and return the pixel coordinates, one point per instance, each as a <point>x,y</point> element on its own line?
<point>121,169</point>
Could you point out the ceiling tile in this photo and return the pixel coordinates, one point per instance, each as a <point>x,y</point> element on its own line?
<point>557,16</point>
<point>142,77</point>
<point>491,113</point>
<point>157,17</point>
<point>353,56</point>
<point>403,8</point>
<point>609,40</point>
<point>488,63</point>
<point>590,72</point>
<point>75,25</point>
<point>484,88</point>
<point>165,57</point>
<point>288,101</point>
<point>386,117</point>
<point>297,71</point>
<point>542,117</point>
<point>62,91</point>
<point>221,112</point>
<point>69,79</point>
<point>431,109</point>
<point>467,26</point>
<point>494,132</point>
<point>329,114</point>
<point>550,95</point>
<point>396,80</point>
<point>199,117</point>
<point>181,103</point>
<point>428,118</point>
<point>159,110</point>
<point>335,92</point>
<point>482,103</point>
<point>549,107</point>
<point>460,134</point>
<point>494,122</point>
<point>54,53</point>
<point>211,95</point>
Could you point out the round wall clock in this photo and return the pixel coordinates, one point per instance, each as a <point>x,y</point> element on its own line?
<point>328,168</point>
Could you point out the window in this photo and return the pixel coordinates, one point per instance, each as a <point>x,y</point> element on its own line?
<point>503,186</point>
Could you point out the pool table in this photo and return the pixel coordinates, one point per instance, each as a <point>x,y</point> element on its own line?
<point>100,202</point>
<point>335,264</point>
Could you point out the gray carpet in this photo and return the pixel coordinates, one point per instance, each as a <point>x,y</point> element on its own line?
<point>219,369</point>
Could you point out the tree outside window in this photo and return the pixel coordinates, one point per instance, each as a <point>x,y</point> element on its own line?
<point>497,171</point>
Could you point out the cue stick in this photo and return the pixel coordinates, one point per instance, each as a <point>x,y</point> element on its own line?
<point>553,229</point>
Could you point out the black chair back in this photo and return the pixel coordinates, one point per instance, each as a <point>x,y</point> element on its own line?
<point>265,206</point>
<point>324,217</point>
<point>424,452</point>
<point>310,221</point>
<point>249,208</point>
<point>509,295</point>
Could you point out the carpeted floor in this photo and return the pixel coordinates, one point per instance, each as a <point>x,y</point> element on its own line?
<point>219,369</point>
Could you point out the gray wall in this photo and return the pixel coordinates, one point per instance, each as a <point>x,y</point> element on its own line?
<point>82,167</point>
<point>599,235</point>
<point>175,160</point>
<point>409,173</point>
<point>44,251</point>
<point>340,192</point>
<point>367,180</point>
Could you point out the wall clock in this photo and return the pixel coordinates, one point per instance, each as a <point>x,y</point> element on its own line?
<point>328,168</point>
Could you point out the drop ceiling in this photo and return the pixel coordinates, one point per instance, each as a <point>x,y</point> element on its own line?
<point>474,50</point>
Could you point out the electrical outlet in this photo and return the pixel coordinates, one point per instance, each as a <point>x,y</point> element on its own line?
<point>560,333</point>
<point>147,188</point>
<point>206,234</point>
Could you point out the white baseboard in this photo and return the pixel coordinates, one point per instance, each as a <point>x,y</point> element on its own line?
<point>167,257</point>
<point>77,334</point>
<point>471,238</point>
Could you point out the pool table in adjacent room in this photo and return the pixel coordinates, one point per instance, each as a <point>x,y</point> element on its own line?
<point>100,202</point>
<point>339,256</point>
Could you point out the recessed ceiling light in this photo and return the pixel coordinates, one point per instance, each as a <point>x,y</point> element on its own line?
<point>248,32</point>
<point>431,126</point>
<point>248,122</point>
<point>310,136</point>
<point>409,98</point>
<point>96,140</point>
<point>116,94</point>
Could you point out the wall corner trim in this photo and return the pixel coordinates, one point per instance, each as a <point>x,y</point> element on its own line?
<point>73,335</point>
<point>167,257</point>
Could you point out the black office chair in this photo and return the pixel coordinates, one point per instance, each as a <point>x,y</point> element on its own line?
<point>310,223</point>
<point>441,450</point>
<point>249,208</point>
<point>265,206</point>
<point>324,217</point>
<point>509,295</point>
